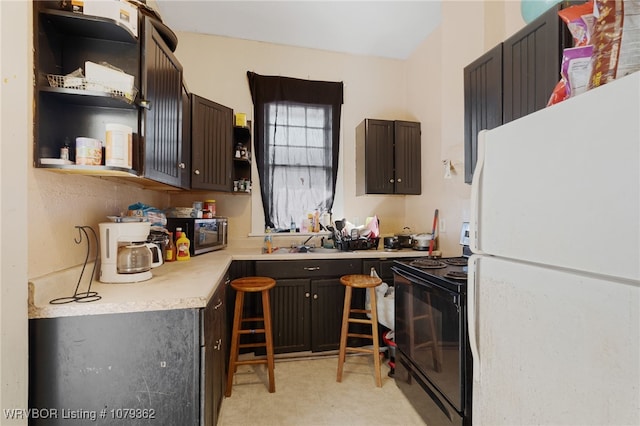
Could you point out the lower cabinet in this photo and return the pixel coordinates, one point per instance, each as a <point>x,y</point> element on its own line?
<point>141,368</point>
<point>307,302</point>
<point>214,357</point>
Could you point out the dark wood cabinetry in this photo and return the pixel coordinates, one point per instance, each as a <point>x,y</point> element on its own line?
<point>482,103</point>
<point>307,302</point>
<point>513,79</point>
<point>531,64</point>
<point>211,143</point>
<point>161,98</point>
<point>388,157</point>
<point>242,159</point>
<point>214,356</point>
<point>166,366</point>
<point>69,108</point>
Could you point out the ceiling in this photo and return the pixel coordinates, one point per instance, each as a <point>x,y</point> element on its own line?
<point>389,29</point>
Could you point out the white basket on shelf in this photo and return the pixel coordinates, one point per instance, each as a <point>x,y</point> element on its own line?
<point>81,83</point>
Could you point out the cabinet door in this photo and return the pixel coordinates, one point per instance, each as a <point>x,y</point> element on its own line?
<point>407,141</point>
<point>327,300</point>
<point>213,359</point>
<point>374,157</point>
<point>290,315</point>
<point>532,59</point>
<point>185,172</point>
<point>211,144</point>
<point>162,116</point>
<point>482,103</point>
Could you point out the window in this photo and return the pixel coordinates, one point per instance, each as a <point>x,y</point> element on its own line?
<point>297,128</point>
<point>298,160</point>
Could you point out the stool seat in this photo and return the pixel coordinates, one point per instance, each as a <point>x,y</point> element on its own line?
<point>253,284</point>
<point>367,282</point>
<point>242,286</point>
<point>360,281</point>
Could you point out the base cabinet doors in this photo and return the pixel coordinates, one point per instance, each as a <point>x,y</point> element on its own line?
<point>307,302</point>
<point>306,314</point>
<point>214,356</point>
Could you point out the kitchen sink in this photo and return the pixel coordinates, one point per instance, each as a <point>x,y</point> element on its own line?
<point>308,249</point>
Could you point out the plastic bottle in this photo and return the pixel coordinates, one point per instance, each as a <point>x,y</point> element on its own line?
<point>182,245</point>
<point>170,251</point>
<point>268,242</point>
<point>292,227</point>
<point>316,221</point>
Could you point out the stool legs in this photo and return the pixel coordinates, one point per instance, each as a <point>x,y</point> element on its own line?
<point>344,333</point>
<point>266,307</point>
<point>235,340</point>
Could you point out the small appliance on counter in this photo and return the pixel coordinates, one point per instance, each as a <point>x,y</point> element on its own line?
<point>125,256</point>
<point>205,234</point>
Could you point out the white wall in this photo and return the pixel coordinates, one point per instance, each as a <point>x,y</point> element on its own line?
<point>15,134</point>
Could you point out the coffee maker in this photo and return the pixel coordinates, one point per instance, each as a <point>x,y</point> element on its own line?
<point>125,255</point>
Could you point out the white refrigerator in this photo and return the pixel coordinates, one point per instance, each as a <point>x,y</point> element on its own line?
<point>554,279</point>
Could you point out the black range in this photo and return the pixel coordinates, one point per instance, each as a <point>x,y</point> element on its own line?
<point>433,360</point>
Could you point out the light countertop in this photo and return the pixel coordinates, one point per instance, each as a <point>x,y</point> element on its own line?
<point>175,285</point>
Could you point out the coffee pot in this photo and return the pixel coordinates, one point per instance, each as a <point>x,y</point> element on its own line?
<point>125,256</point>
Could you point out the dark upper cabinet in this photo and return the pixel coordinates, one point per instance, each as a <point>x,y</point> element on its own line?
<point>68,108</point>
<point>513,79</point>
<point>388,157</point>
<point>162,111</point>
<point>482,102</point>
<point>531,66</point>
<point>211,145</point>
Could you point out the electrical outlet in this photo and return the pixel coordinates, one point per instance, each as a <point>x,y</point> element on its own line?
<point>442,226</point>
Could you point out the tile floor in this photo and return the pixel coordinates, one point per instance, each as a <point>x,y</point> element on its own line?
<point>307,394</point>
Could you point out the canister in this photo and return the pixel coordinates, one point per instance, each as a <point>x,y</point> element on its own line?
<point>210,205</point>
<point>118,150</point>
<point>88,151</point>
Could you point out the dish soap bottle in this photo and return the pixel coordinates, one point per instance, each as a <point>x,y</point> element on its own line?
<point>170,251</point>
<point>268,242</point>
<point>182,245</point>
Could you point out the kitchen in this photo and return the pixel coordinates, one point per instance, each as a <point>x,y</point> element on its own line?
<point>411,89</point>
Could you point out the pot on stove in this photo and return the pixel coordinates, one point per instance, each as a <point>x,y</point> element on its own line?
<point>404,238</point>
<point>421,241</point>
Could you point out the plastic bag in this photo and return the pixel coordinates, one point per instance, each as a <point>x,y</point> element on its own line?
<point>385,303</point>
<point>151,214</point>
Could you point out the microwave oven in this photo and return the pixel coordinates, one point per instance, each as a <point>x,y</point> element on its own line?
<point>205,234</point>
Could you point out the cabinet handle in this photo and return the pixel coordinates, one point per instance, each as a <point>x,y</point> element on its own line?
<point>315,296</point>
<point>182,166</point>
<point>307,295</point>
<point>399,180</point>
<point>218,304</point>
<point>218,344</point>
<point>196,172</point>
<point>391,180</point>
<point>311,268</point>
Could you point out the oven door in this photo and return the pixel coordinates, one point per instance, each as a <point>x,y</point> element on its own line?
<point>430,332</point>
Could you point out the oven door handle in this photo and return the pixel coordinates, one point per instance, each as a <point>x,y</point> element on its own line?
<point>422,283</point>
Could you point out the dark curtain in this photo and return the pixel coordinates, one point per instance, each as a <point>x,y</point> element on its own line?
<point>265,89</point>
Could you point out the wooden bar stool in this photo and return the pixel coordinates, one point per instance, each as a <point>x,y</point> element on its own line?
<point>242,286</point>
<point>367,282</point>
